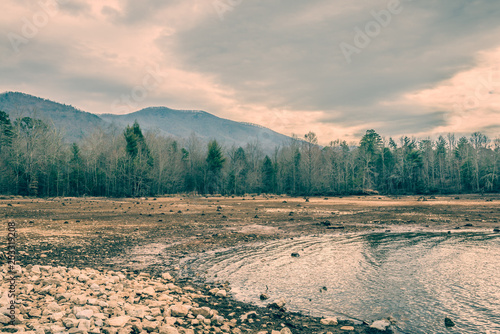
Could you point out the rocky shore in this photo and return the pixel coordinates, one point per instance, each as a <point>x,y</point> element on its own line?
<point>59,234</point>
<point>54,300</point>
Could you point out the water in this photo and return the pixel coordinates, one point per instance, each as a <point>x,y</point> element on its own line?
<point>416,278</point>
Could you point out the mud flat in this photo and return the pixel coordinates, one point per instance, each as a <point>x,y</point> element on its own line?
<point>124,246</point>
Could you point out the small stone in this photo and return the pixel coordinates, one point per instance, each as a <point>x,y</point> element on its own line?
<point>286,330</point>
<point>204,311</point>
<point>118,321</point>
<point>278,305</point>
<point>448,322</point>
<point>85,314</point>
<point>330,321</point>
<point>381,325</point>
<point>221,293</point>
<point>179,311</point>
<point>83,278</point>
<point>150,326</point>
<point>168,330</point>
<point>4,319</point>
<point>264,296</point>
<point>149,291</point>
<point>56,316</point>
<point>166,276</point>
<point>84,325</point>
<point>54,307</point>
<point>295,255</point>
<point>347,328</point>
<point>35,313</point>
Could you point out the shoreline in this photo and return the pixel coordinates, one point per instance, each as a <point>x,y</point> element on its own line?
<point>90,233</point>
<point>70,300</point>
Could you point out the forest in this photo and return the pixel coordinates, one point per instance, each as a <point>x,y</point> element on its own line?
<point>36,161</point>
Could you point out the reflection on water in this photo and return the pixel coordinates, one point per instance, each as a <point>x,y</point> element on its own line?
<point>416,278</point>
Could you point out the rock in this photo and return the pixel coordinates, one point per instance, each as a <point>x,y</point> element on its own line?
<point>57,329</point>
<point>264,296</point>
<point>56,316</point>
<point>78,299</point>
<point>83,278</point>
<point>85,314</point>
<point>150,326</point>
<point>221,293</point>
<point>496,229</point>
<point>448,322</point>
<point>35,313</point>
<point>168,330</point>
<point>84,325</point>
<point>381,325</point>
<point>137,311</point>
<point>278,305</point>
<point>204,311</point>
<point>4,319</point>
<point>347,328</point>
<point>330,321</point>
<point>54,307</point>
<point>249,315</point>
<point>295,255</point>
<point>69,322</point>
<point>118,321</point>
<point>166,276</point>
<point>149,291</point>
<point>179,311</point>
<point>286,330</point>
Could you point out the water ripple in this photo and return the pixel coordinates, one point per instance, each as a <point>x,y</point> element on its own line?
<point>416,278</point>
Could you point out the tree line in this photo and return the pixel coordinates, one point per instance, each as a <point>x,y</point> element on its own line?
<point>36,161</point>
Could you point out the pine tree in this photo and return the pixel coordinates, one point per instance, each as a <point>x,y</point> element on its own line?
<point>215,161</point>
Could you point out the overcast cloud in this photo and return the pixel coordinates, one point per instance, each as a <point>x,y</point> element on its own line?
<point>430,67</point>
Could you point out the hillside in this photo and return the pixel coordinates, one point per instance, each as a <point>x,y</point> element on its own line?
<point>182,124</point>
<point>76,124</point>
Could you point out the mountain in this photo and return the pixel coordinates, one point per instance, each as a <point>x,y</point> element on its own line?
<point>181,123</point>
<point>77,124</point>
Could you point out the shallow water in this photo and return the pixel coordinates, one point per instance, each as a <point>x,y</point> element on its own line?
<point>416,278</point>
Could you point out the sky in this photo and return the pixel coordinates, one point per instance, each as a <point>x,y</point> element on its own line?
<point>337,68</point>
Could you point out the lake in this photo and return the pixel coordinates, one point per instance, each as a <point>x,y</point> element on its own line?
<point>416,278</point>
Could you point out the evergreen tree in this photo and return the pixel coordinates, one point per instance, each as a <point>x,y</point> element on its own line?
<point>215,161</point>
<point>268,176</point>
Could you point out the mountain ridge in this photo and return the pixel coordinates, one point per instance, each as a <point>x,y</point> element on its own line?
<point>76,123</point>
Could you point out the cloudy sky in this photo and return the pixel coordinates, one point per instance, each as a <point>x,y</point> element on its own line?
<point>337,68</point>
